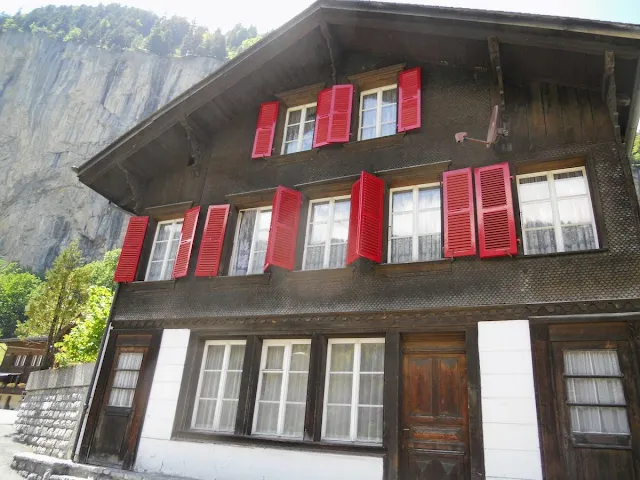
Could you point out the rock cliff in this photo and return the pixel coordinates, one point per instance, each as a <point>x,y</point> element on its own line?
<point>60,103</point>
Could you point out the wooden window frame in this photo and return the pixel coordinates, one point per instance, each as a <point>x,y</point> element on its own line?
<point>20,360</point>
<point>303,115</point>
<point>553,199</point>
<point>327,244</point>
<point>234,253</point>
<point>378,91</point>
<point>414,254</point>
<point>165,259</point>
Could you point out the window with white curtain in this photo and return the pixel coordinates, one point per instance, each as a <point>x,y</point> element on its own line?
<point>378,112</point>
<point>415,224</point>
<point>282,388</point>
<point>353,390</point>
<point>299,127</point>
<point>556,212</point>
<point>163,252</point>
<point>327,233</point>
<point>595,394</point>
<point>219,386</point>
<point>36,360</point>
<point>125,379</point>
<point>19,360</point>
<point>250,244</point>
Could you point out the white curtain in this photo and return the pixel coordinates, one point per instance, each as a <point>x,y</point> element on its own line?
<point>125,379</point>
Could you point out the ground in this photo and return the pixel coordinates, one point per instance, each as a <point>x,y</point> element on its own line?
<point>7,446</point>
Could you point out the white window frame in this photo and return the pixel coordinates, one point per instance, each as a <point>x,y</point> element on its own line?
<point>284,386</point>
<point>221,384</point>
<point>355,386</point>
<point>414,242</point>
<point>327,243</point>
<point>36,360</point>
<point>234,255</point>
<point>557,226</point>
<point>303,116</point>
<point>168,250</point>
<point>19,360</point>
<point>379,91</point>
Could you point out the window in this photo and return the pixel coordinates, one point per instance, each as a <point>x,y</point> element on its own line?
<point>250,245</point>
<point>353,390</point>
<point>36,360</point>
<point>163,253</point>
<point>282,388</point>
<point>125,379</point>
<point>556,212</point>
<point>415,225</point>
<point>378,112</point>
<point>299,127</point>
<point>19,360</point>
<point>219,386</point>
<point>595,395</point>
<point>327,233</point>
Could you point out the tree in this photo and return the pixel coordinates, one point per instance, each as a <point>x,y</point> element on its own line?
<point>635,151</point>
<point>101,271</point>
<point>16,286</point>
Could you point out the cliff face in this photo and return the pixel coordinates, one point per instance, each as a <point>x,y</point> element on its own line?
<point>60,103</point>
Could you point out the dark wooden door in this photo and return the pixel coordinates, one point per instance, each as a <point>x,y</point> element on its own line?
<point>435,428</point>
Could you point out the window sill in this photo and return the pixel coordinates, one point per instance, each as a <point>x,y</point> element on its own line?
<point>322,274</point>
<point>399,269</point>
<point>152,285</point>
<point>278,442</point>
<point>562,254</point>
<point>289,158</point>
<point>375,143</point>
<point>237,280</point>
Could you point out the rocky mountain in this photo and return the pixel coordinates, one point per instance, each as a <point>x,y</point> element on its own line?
<point>60,103</point>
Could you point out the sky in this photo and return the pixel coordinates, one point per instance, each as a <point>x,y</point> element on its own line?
<point>269,14</point>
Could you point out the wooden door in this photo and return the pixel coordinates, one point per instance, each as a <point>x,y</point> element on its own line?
<point>435,427</point>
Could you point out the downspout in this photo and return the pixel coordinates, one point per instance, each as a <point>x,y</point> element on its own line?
<point>94,377</point>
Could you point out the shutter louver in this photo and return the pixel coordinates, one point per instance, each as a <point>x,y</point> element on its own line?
<point>131,248</point>
<point>496,220</point>
<point>181,265</point>
<point>459,221</point>
<point>265,130</point>
<point>341,106</point>
<point>212,241</point>
<point>366,219</point>
<point>283,232</point>
<point>409,105</point>
<point>323,117</point>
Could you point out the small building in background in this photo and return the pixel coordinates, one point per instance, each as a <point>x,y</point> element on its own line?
<point>23,356</point>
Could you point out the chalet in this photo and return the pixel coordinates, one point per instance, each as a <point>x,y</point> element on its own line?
<point>22,356</point>
<point>319,282</point>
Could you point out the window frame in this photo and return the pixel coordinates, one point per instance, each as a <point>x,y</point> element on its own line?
<point>414,237</point>
<point>20,360</point>
<point>303,116</point>
<point>378,91</point>
<point>327,243</point>
<point>355,388</point>
<point>234,252</point>
<point>166,254</point>
<point>221,386</point>
<point>553,200</point>
<point>284,386</point>
<point>36,360</point>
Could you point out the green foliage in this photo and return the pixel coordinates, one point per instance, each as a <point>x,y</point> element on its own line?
<point>101,271</point>
<point>118,27</point>
<point>16,286</point>
<point>635,151</point>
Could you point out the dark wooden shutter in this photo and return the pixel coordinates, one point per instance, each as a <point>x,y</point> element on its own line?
<point>341,106</point>
<point>409,104</point>
<point>366,219</point>
<point>181,265</point>
<point>283,232</point>
<point>265,130</point>
<point>459,221</point>
<point>131,248</point>
<point>496,221</point>
<point>212,240</point>
<point>323,117</point>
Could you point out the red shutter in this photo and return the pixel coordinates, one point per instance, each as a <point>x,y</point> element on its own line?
<point>265,130</point>
<point>496,221</point>
<point>409,105</point>
<point>181,265</point>
<point>283,232</point>
<point>131,248</point>
<point>366,219</point>
<point>212,240</point>
<point>341,105</point>
<point>323,117</point>
<point>459,222</point>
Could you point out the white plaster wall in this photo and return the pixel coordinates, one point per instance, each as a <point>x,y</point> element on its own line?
<point>215,461</point>
<point>509,417</point>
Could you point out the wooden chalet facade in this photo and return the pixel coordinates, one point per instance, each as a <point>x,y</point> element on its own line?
<point>319,282</point>
<point>23,356</point>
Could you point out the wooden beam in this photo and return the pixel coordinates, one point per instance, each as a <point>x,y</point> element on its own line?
<point>498,87</point>
<point>335,52</point>
<point>609,96</point>
<point>195,139</point>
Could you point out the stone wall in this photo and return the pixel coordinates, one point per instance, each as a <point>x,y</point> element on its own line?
<point>50,414</point>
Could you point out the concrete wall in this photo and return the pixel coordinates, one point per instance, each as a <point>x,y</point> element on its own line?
<point>158,453</point>
<point>50,413</point>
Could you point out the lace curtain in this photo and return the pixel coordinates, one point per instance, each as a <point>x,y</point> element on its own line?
<point>327,235</point>
<point>165,248</point>
<point>251,244</point>
<point>125,379</point>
